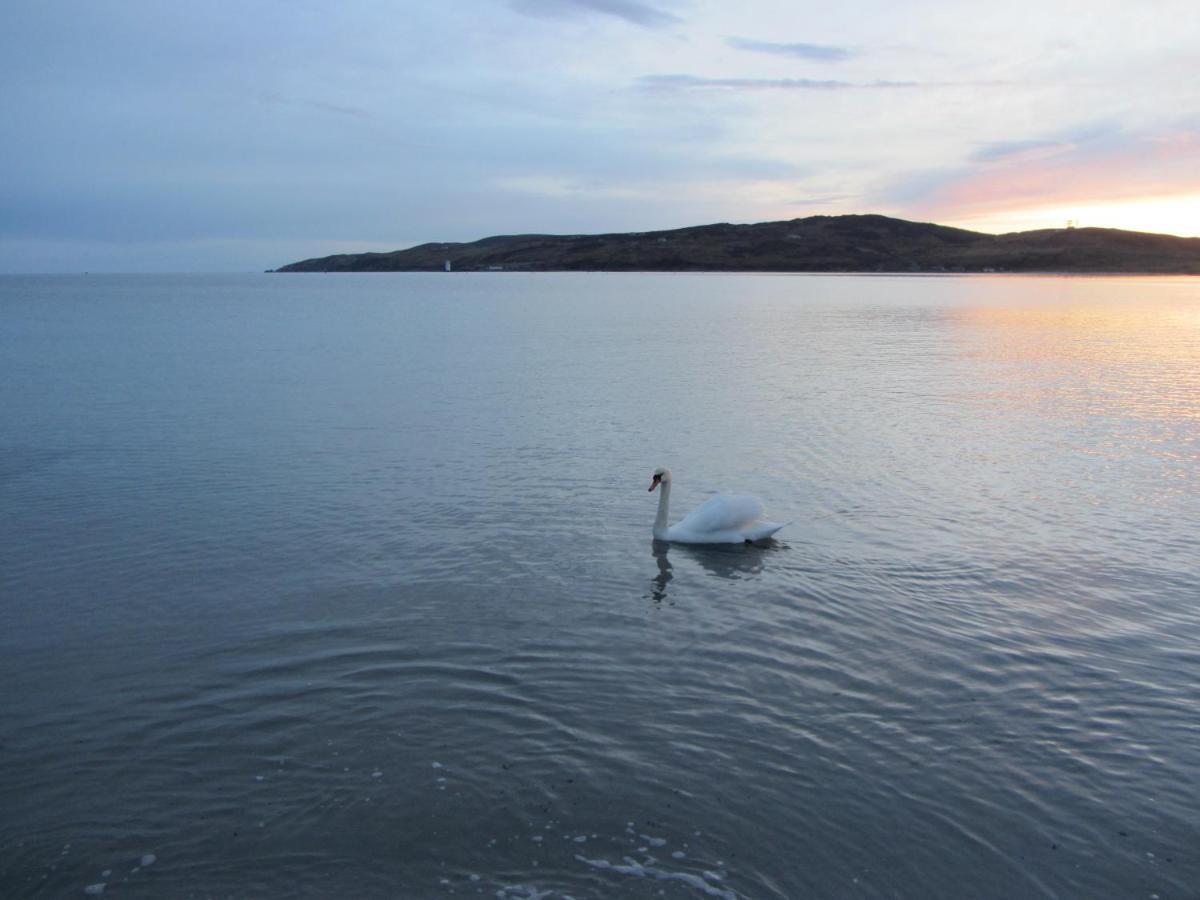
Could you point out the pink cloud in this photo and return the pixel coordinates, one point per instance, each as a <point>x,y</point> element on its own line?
<point>1047,173</point>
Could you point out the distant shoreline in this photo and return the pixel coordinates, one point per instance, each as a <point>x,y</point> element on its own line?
<point>1031,273</point>
<point>852,244</point>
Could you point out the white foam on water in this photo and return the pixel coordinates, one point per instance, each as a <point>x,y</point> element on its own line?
<point>580,838</point>
<point>95,890</point>
<point>646,870</point>
<point>537,838</point>
<point>438,765</point>
<point>678,854</point>
<point>654,841</point>
<point>148,859</point>
<point>524,892</point>
<point>106,873</point>
<point>376,774</point>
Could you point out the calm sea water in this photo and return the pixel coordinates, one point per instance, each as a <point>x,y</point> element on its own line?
<point>343,586</point>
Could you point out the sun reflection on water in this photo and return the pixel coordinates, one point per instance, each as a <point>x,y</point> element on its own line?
<point>1139,362</point>
<point>1122,380</point>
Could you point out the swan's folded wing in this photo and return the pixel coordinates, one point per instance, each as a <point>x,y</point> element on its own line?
<point>722,513</point>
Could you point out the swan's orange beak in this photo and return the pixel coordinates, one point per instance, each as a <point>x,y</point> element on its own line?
<point>655,483</point>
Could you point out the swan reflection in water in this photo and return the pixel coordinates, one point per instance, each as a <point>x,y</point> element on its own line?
<point>732,561</point>
<point>660,581</point>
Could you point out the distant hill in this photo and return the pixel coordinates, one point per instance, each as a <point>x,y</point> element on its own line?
<point>863,243</point>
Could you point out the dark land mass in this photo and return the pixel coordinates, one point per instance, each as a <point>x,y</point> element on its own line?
<point>866,243</point>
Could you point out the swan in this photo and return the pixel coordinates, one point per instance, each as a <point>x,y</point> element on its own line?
<point>718,520</point>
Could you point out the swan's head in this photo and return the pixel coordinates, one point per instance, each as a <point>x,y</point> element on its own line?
<point>660,475</point>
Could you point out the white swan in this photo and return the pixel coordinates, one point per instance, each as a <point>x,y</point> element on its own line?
<point>718,520</point>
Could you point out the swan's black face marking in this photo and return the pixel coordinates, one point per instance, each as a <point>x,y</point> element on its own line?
<point>655,482</point>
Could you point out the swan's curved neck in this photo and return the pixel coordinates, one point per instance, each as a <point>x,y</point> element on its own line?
<point>664,503</point>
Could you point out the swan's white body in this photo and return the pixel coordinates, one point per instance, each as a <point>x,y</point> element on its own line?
<point>718,520</point>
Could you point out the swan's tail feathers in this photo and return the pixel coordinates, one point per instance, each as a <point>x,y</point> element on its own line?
<point>763,530</point>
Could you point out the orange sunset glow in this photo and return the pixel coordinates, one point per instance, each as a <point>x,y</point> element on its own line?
<point>1173,214</point>
<point>1147,184</point>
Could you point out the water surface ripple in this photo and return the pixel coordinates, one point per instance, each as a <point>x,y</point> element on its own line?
<point>343,586</point>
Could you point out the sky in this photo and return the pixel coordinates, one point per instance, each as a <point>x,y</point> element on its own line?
<point>151,135</point>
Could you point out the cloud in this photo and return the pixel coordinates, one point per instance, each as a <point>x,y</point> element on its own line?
<point>826,200</point>
<point>681,82</point>
<point>1008,151</point>
<point>817,52</point>
<point>604,180</point>
<point>321,105</point>
<point>1087,138</point>
<point>632,11</point>
<point>1101,164</point>
<point>563,186</point>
